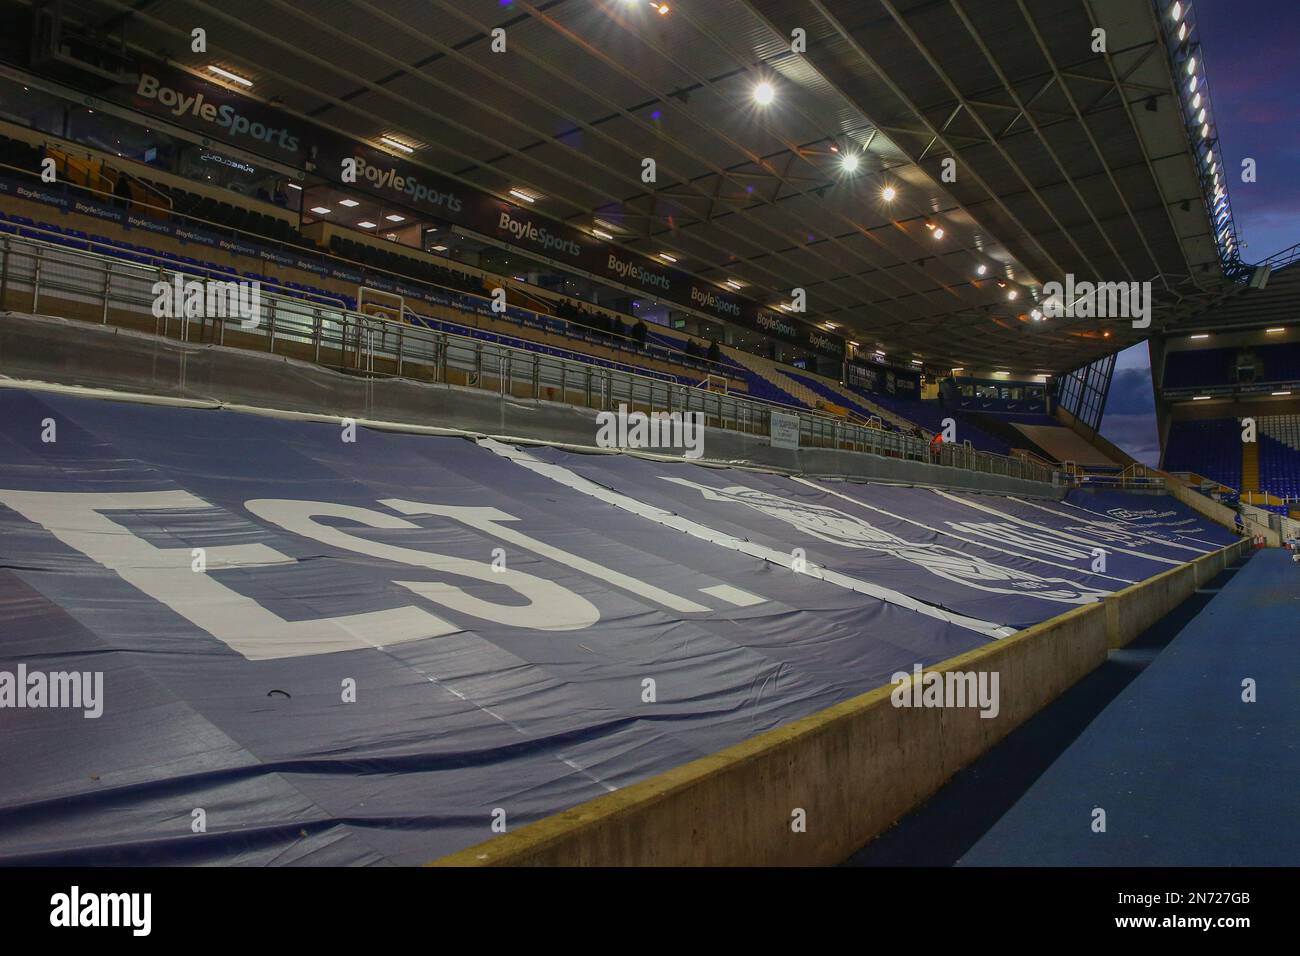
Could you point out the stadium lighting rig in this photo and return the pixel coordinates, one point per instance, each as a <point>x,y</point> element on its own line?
<point>1188,61</point>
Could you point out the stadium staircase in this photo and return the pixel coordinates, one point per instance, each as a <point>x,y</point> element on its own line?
<point>851,398</point>
<point>1250,466</point>
<point>767,381</point>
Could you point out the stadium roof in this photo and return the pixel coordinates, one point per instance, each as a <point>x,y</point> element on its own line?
<point>1068,161</point>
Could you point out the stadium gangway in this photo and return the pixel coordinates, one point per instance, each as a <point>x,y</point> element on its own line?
<point>336,337</point>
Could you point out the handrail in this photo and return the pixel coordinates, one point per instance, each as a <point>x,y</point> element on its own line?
<point>296,318</point>
<point>573,356</point>
<point>820,425</point>
<point>718,367</point>
<point>1283,258</point>
<point>172,263</point>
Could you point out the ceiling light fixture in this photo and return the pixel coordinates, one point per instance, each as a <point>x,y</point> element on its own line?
<point>232,77</point>
<point>389,141</point>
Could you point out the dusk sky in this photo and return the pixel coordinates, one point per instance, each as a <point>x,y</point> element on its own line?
<point>1250,49</point>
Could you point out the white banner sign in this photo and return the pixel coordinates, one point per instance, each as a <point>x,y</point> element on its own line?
<point>785,430</point>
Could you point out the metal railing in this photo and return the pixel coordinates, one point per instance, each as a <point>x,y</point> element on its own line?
<point>37,276</point>
<point>369,272</point>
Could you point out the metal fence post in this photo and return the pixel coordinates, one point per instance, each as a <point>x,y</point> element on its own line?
<point>36,280</point>
<point>6,255</point>
<point>108,288</point>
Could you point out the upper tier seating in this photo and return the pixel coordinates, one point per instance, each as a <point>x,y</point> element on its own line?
<point>1279,455</point>
<point>255,225</point>
<point>930,414</point>
<point>1214,448</point>
<point>1211,448</point>
<point>147,255</point>
<point>837,398</point>
<point>231,215</point>
<point>1209,367</point>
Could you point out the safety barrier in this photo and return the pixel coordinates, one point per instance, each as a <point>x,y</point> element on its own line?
<point>816,790</point>
<point>39,276</point>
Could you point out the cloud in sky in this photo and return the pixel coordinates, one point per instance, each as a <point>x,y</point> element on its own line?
<point>1249,50</point>
<point>1130,419</point>
<point>1136,434</point>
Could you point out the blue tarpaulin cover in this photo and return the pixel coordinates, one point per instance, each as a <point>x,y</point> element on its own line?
<point>316,650</point>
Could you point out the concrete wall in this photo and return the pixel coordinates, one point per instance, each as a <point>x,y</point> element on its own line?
<point>1131,611</point>
<point>1219,513</point>
<point>853,769</point>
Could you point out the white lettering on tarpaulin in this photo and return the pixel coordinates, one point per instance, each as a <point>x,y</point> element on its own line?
<point>77,519</point>
<point>784,430</point>
<point>547,606</point>
<point>731,542</point>
<point>225,117</point>
<point>636,272</point>
<point>849,531</point>
<point>243,624</point>
<point>389,178</point>
<point>77,909</point>
<point>538,235</point>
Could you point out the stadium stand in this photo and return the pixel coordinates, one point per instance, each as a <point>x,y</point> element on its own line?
<point>529,485</point>
<point>1210,367</point>
<point>468,312</point>
<point>1213,447</point>
<point>1210,447</point>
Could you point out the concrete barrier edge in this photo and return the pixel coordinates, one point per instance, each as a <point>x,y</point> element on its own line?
<point>853,769</point>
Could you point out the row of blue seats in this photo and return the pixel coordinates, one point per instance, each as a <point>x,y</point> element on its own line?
<point>930,414</point>
<point>826,392</point>
<point>1211,448</point>
<point>1279,468</point>
<point>663,350</point>
<point>1202,367</point>
<point>143,255</point>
